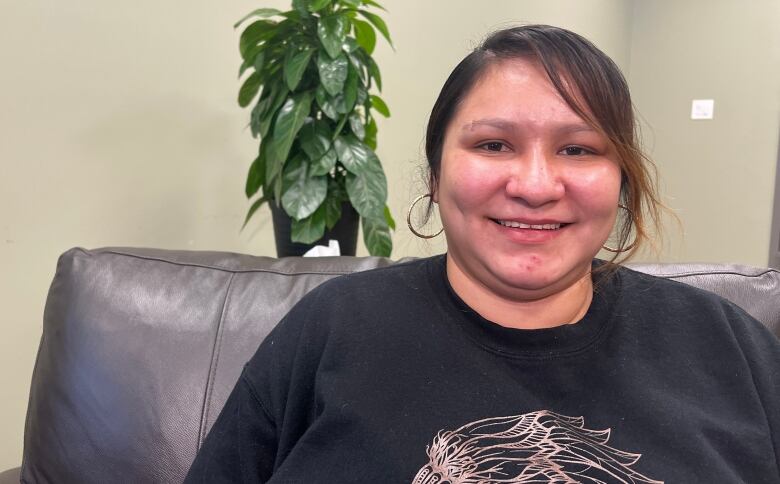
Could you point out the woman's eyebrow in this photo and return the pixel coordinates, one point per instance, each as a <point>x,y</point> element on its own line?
<point>506,125</point>
<point>498,123</point>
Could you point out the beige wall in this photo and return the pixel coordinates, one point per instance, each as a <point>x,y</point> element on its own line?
<point>119,127</point>
<point>718,174</point>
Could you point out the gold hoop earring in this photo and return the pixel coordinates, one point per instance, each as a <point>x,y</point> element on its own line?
<point>409,218</point>
<point>632,244</point>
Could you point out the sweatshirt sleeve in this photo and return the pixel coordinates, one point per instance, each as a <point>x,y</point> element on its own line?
<point>761,349</point>
<point>241,446</point>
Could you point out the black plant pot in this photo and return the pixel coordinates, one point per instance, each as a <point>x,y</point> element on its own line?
<point>345,231</point>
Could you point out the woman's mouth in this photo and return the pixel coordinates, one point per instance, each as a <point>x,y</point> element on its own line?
<point>520,225</point>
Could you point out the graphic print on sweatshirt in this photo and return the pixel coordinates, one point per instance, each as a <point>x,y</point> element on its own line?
<point>537,447</point>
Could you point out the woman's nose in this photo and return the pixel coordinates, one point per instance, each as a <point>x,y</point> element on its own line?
<point>534,179</point>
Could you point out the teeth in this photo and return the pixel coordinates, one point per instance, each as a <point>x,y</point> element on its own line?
<point>518,225</point>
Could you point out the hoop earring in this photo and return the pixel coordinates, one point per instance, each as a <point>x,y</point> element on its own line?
<point>632,244</point>
<point>409,218</point>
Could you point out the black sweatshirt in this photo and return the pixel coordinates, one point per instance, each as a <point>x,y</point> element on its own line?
<point>386,376</point>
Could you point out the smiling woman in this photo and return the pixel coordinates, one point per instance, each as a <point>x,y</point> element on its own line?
<point>515,357</point>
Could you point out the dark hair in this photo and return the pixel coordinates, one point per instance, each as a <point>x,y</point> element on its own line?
<point>593,87</point>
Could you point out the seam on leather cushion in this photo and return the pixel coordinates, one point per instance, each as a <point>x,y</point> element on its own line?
<point>220,268</point>
<point>204,414</point>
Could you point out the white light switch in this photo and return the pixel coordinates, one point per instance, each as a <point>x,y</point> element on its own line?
<point>702,108</point>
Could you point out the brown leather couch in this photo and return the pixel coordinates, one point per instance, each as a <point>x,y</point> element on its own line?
<point>141,347</point>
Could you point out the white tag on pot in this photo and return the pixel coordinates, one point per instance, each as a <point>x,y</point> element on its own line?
<point>332,249</point>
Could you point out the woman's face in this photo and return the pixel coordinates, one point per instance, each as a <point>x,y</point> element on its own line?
<point>527,191</point>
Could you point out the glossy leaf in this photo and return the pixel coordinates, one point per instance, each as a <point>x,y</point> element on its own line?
<point>350,89</point>
<point>389,218</point>
<point>289,121</point>
<point>294,67</point>
<point>317,5</point>
<point>326,103</point>
<point>373,70</point>
<point>370,139</point>
<point>350,45</point>
<point>367,189</point>
<point>254,34</point>
<point>302,193</point>
<point>301,7</point>
<point>333,72</point>
<point>260,12</point>
<point>365,35</point>
<point>256,175</point>
<point>380,106</point>
<point>376,236</point>
<point>254,53</point>
<point>352,153</point>
<point>257,204</point>
<point>361,96</point>
<point>377,22</point>
<point>324,164</point>
<point>332,30</point>
<point>352,3</point>
<point>356,125</point>
<point>332,207</point>
<point>249,90</point>
<point>280,95</point>
<point>374,4</point>
<point>315,139</point>
<point>310,229</point>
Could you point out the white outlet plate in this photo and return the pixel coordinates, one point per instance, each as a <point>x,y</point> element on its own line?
<point>702,108</point>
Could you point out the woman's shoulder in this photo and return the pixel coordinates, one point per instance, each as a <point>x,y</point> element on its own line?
<point>666,300</point>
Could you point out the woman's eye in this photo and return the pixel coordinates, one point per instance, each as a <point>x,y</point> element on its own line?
<point>576,151</point>
<point>493,146</point>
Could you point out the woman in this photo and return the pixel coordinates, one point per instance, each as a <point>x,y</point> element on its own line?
<point>515,357</point>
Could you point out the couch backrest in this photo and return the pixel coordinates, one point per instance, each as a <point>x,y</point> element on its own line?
<point>141,347</point>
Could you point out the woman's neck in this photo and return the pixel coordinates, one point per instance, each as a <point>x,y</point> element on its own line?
<point>565,306</point>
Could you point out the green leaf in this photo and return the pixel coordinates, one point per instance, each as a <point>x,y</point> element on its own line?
<point>374,4</point>
<point>301,7</point>
<point>332,30</point>
<point>302,193</point>
<point>324,164</point>
<point>367,189</point>
<point>254,180</point>
<point>251,60</point>
<point>365,35</point>
<point>280,95</point>
<point>332,205</point>
<point>378,104</point>
<point>377,21</point>
<point>249,90</point>
<point>310,229</point>
<point>333,72</point>
<point>260,201</point>
<point>254,34</point>
<point>389,218</point>
<point>326,103</point>
<point>317,5</point>
<point>356,125</point>
<point>260,12</point>
<point>371,130</point>
<point>361,96</point>
<point>373,70</point>
<point>350,89</point>
<point>315,139</point>
<point>376,236</point>
<point>294,67</point>
<point>352,153</point>
<point>350,45</point>
<point>289,121</point>
<point>351,3</point>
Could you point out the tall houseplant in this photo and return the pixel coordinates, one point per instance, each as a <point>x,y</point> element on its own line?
<point>308,74</point>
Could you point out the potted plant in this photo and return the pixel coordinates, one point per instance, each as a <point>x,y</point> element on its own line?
<point>308,76</point>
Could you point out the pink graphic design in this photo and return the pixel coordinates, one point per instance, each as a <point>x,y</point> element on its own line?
<point>538,447</point>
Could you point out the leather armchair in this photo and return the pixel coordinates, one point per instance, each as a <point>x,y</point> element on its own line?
<point>141,347</point>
